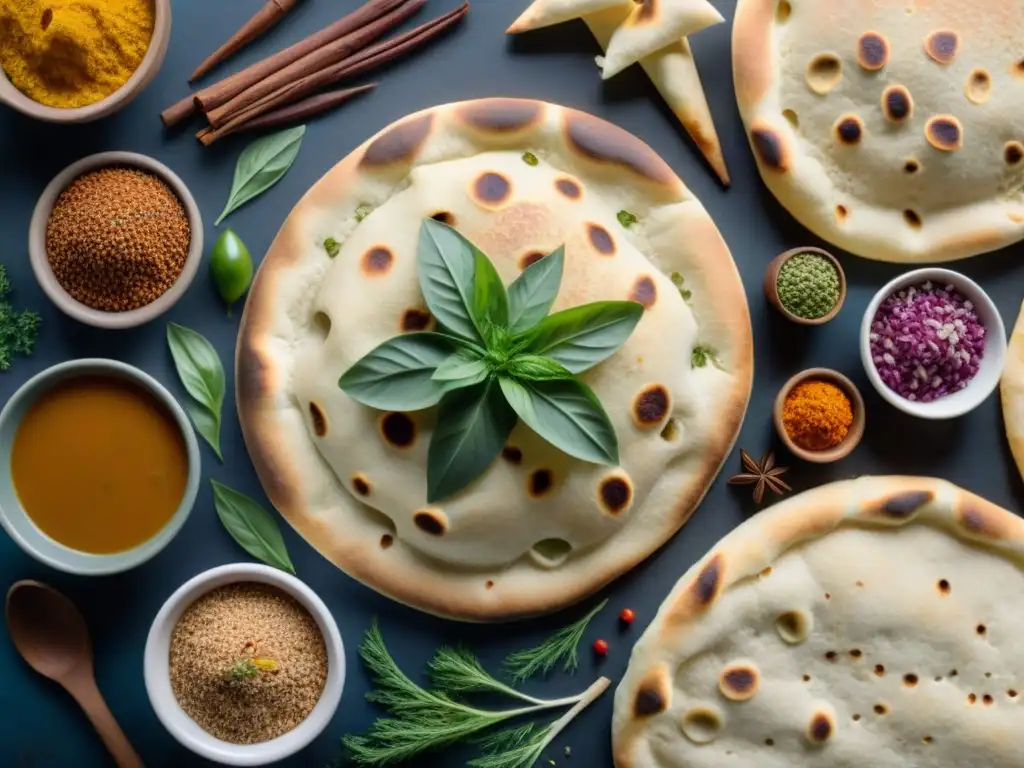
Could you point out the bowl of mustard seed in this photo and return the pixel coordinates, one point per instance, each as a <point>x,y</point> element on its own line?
<point>115,240</point>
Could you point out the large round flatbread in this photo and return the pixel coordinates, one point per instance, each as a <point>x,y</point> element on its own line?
<point>538,530</point>
<point>891,128</point>
<point>873,622</point>
<point>1011,390</point>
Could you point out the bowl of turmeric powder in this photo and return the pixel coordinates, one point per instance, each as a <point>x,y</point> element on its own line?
<point>74,61</point>
<point>819,415</point>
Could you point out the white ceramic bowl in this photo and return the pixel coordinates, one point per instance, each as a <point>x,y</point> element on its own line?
<point>19,525</point>
<point>156,664</point>
<point>991,368</point>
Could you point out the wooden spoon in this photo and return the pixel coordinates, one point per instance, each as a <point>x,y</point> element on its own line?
<point>51,635</point>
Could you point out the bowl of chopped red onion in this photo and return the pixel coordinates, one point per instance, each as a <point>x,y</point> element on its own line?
<point>933,343</point>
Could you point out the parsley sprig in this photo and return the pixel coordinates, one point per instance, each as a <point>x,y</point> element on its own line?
<point>18,330</point>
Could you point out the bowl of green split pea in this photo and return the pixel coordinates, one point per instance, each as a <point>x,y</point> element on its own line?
<point>806,285</point>
<point>117,48</point>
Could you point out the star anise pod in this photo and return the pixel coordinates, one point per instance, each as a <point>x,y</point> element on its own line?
<point>761,474</point>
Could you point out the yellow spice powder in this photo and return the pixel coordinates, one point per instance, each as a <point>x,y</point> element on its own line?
<point>72,53</point>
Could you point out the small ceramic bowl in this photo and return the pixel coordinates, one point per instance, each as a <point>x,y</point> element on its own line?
<point>991,368</point>
<point>771,287</point>
<point>157,668</point>
<point>853,437</point>
<point>147,70</point>
<point>41,264</point>
<point>19,525</point>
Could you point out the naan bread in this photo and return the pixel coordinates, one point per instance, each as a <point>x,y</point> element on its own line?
<point>891,128</point>
<point>1011,390</point>
<point>653,25</point>
<point>672,69</point>
<point>538,530</point>
<point>872,622</point>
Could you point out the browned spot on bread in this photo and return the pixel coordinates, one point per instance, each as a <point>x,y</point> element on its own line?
<point>398,429</point>
<point>491,189</point>
<point>856,653</point>
<point>319,419</point>
<point>881,709</point>
<point>879,670</point>
<point>531,258</point>
<point>820,729</point>
<point>979,86</point>
<point>708,583</point>
<point>824,72</point>
<point>416,319</point>
<point>541,481</point>
<point>942,45</point>
<point>1012,693</point>
<point>361,484</point>
<point>386,541</point>
<point>913,218</point>
<point>649,701</point>
<point>651,406</point>
<point>981,629</point>
<point>649,11</point>
<point>944,586</point>
<point>897,103</point>
<point>903,506</point>
<point>926,740</point>
<point>644,292</point>
<point>1013,152</point>
<point>944,133</point>
<point>444,217</point>
<point>849,130</point>
<point>770,147</point>
<point>793,626</point>
<point>911,166</point>
<point>872,51</point>
<point>972,698</point>
<point>489,584</point>
<point>601,239</point>
<point>569,188</point>
<point>842,213</point>
<point>982,522</point>
<point>616,494</point>
<point>603,142</point>
<point>377,261</point>
<point>501,115</point>
<point>831,655</point>
<point>986,699</point>
<point>910,680</point>
<point>512,454</point>
<point>432,521</point>
<point>399,143</point>
<point>738,682</point>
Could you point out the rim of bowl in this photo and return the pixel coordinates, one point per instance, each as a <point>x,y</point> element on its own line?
<point>853,437</point>
<point>996,329</point>
<point>156,668</point>
<point>71,560</point>
<point>147,69</point>
<point>775,266</point>
<point>41,264</point>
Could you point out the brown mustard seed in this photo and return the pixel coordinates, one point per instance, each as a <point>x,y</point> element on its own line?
<point>240,621</point>
<point>117,239</point>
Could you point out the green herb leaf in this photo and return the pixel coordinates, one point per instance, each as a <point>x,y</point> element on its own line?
<point>457,670</point>
<point>398,374</point>
<point>626,219</point>
<point>537,368</point>
<point>530,159</point>
<point>261,165</point>
<point>568,415</point>
<point>490,302</point>
<point>251,526</point>
<point>472,427</point>
<point>581,337</point>
<point>701,356</point>
<point>447,265</point>
<point>458,371</point>
<point>532,293</point>
<point>18,330</point>
<point>679,282</point>
<point>332,246</point>
<point>560,647</point>
<point>202,374</point>
<point>206,424</point>
<point>362,212</point>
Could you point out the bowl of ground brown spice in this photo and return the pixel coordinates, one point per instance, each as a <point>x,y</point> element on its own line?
<point>244,665</point>
<point>115,240</point>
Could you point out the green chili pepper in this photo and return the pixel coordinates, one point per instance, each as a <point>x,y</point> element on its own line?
<point>231,267</point>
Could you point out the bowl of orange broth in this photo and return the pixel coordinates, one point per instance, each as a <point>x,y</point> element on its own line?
<point>103,467</point>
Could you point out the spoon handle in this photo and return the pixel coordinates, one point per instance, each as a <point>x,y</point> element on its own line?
<point>88,696</point>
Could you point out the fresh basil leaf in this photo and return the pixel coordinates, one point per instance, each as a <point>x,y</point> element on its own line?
<point>447,266</point>
<point>537,368</point>
<point>568,415</point>
<point>202,374</point>
<point>251,526</point>
<point>459,369</point>
<point>490,302</point>
<point>581,337</point>
<point>397,375</point>
<point>207,424</point>
<point>532,293</point>
<point>472,427</point>
<point>261,165</point>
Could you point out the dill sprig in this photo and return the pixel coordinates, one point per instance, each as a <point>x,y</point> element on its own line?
<point>428,719</point>
<point>560,647</point>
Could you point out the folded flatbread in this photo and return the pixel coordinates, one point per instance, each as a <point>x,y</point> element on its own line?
<point>1011,389</point>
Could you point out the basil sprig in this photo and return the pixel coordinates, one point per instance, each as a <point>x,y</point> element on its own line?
<point>497,357</point>
<point>202,374</point>
<point>261,165</point>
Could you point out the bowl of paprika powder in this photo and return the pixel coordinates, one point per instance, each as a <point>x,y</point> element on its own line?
<point>78,62</point>
<point>819,415</point>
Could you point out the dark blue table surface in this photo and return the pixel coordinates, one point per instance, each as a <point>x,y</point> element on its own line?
<point>41,727</point>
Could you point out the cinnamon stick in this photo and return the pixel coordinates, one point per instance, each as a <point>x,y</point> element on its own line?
<point>339,50</point>
<point>367,59</point>
<point>295,113</point>
<point>263,20</point>
<point>220,92</point>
